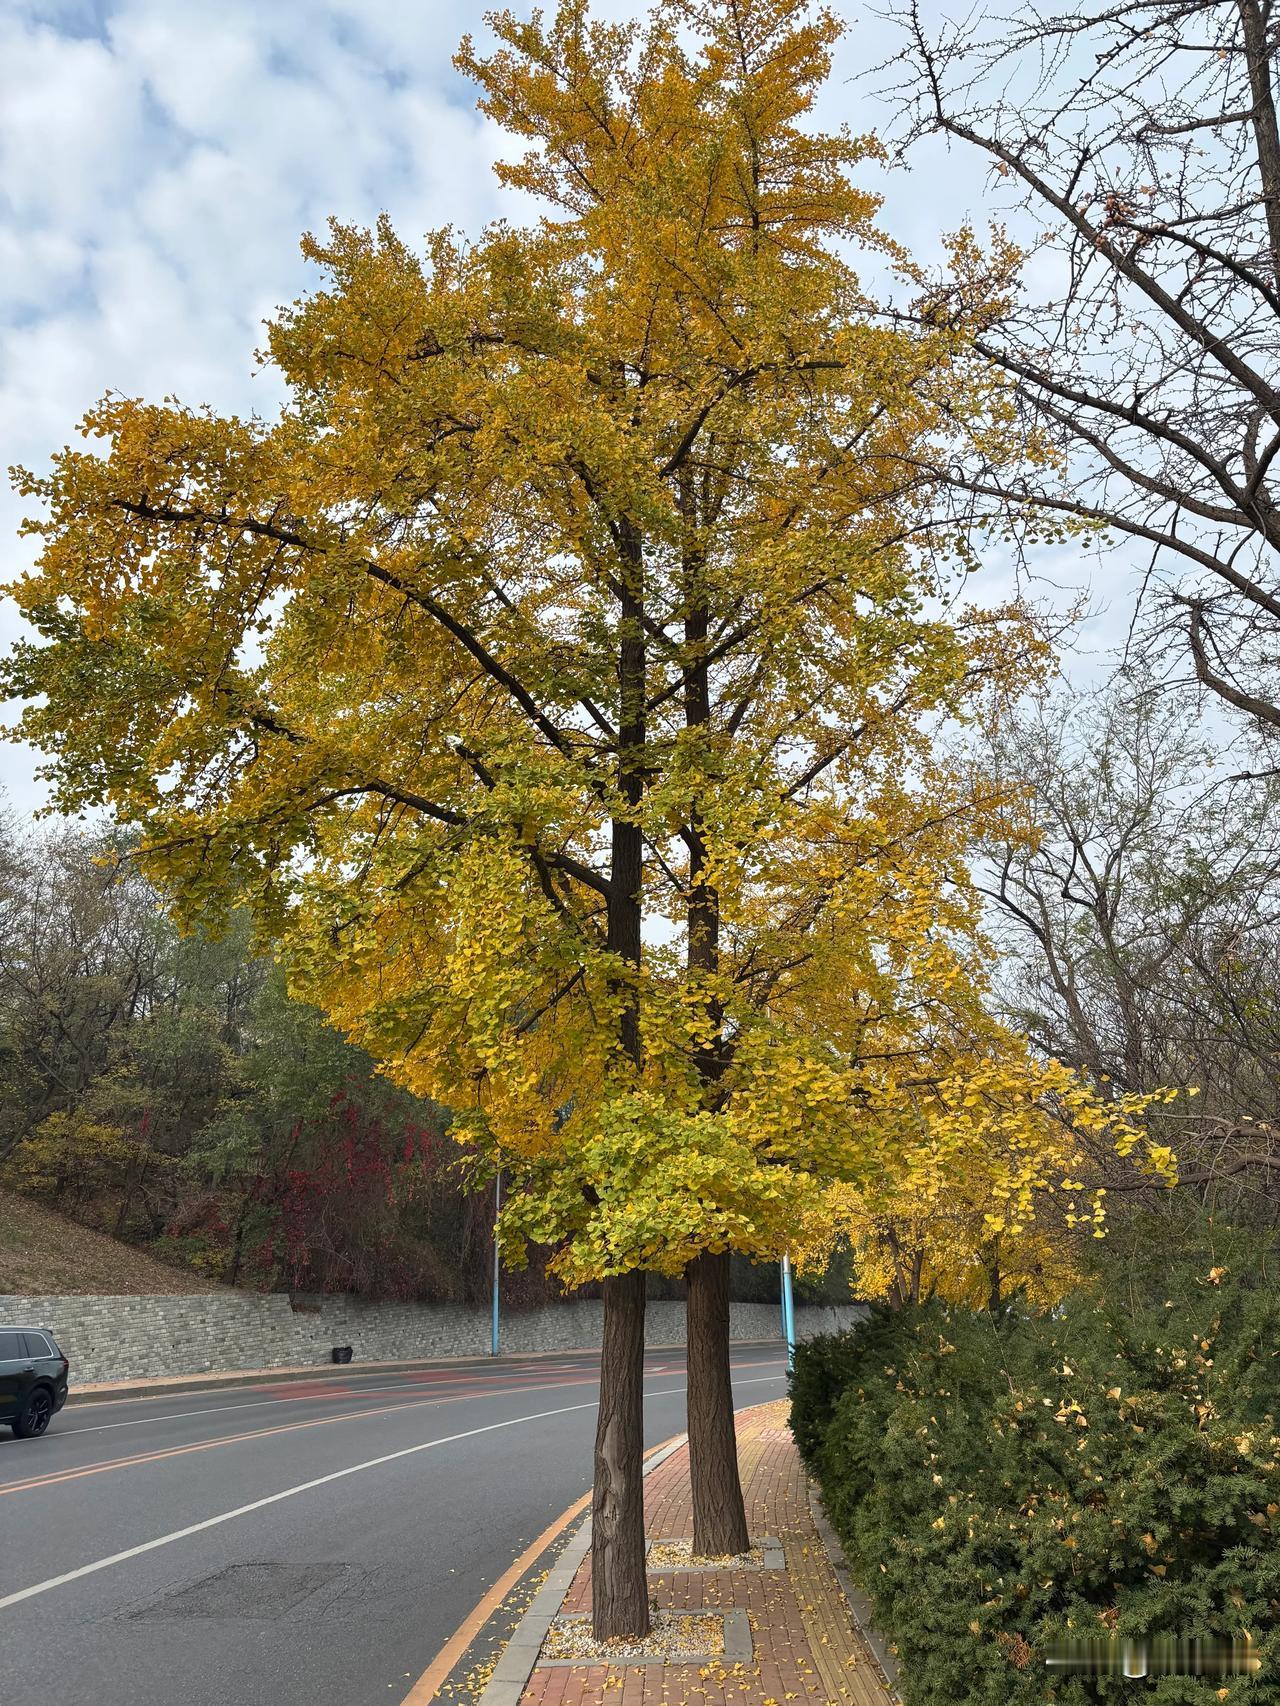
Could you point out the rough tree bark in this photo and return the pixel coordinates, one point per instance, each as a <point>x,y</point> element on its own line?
<point>619,1593</point>
<point>719,1517</point>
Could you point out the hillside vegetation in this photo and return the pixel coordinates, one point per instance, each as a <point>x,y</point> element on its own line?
<point>43,1252</point>
<point>166,1091</point>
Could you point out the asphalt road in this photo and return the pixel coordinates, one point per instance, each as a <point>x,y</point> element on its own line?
<point>299,1544</point>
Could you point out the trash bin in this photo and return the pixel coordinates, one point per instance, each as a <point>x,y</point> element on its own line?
<point>342,1353</point>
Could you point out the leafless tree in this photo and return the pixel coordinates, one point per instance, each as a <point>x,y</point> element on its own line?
<point>1141,335</point>
<point>79,952</point>
<point>1140,933</point>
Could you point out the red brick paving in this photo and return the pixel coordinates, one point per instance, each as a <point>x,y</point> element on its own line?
<point>806,1646</point>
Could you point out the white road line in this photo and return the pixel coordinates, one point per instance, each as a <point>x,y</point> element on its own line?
<point>266,1377</point>
<point>212,1410</point>
<point>306,1487</point>
<point>271,1499</point>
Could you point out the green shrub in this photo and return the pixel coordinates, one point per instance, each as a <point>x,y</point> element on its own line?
<point>824,1367</point>
<point>999,1483</point>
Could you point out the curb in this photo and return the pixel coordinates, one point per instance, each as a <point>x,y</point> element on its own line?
<point>859,1604</point>
<point>520,1654</point>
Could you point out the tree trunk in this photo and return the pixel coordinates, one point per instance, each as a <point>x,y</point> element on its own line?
<point>619,1592</point>
<point>237,1240</point>
<point>897,1295</point>
<point>719,1518</point>
<point>126,1202</point>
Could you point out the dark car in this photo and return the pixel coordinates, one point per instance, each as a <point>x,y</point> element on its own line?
<point>33,1379</point>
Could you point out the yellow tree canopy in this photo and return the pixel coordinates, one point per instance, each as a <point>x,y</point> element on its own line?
<point>553,676</point>
<point>999,1187</point>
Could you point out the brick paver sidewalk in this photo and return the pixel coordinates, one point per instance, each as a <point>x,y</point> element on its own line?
<point>806,1645</point>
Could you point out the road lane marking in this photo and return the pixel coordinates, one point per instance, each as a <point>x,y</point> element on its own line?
<point>528,1362</point>
<point>493,1390</point>
<point>309,1486</point>
<point>268,1379</point>
<point>60,1477</point>
<point>271,1499</point>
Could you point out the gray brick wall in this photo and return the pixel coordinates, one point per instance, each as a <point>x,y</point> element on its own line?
<point>122,1338</point>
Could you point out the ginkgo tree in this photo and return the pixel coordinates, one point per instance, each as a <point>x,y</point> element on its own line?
<point>998,1182</point>
<point>552,677</point>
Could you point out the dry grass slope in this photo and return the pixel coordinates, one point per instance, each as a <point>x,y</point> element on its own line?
<point>44,1253</point>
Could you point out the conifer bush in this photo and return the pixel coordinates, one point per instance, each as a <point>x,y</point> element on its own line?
<point>1002,1481</point>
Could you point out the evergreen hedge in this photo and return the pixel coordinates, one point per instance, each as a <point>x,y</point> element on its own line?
<point>1001,1482</point>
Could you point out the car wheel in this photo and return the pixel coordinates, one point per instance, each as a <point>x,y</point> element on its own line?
<point>35,1415</point>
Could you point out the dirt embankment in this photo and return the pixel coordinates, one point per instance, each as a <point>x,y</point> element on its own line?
<point>45,1254</point>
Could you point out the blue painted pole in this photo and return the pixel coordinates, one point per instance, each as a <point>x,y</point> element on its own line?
<point>789,1312</point>
<point>497,1207</point>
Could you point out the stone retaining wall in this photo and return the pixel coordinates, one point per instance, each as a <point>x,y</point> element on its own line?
<point>123,1338</point>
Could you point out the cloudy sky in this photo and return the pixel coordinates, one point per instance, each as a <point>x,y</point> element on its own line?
<point>159,160</point>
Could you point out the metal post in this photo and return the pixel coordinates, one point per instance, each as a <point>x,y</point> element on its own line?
<point>497,1209</point>
<point>789,1312</point>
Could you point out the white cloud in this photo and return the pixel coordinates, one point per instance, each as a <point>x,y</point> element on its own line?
<point>158,164</point>
<point>70,117</point>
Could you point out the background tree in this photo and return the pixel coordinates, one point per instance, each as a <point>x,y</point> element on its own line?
<point>1144,345</point>
<point>78,960</point>
<point>166,1090</point>
<point>994,1155</point>
<point>1138,928</point>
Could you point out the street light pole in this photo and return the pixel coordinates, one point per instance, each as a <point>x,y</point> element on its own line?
<point>497,1209</point>
<point>788,1313</point>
